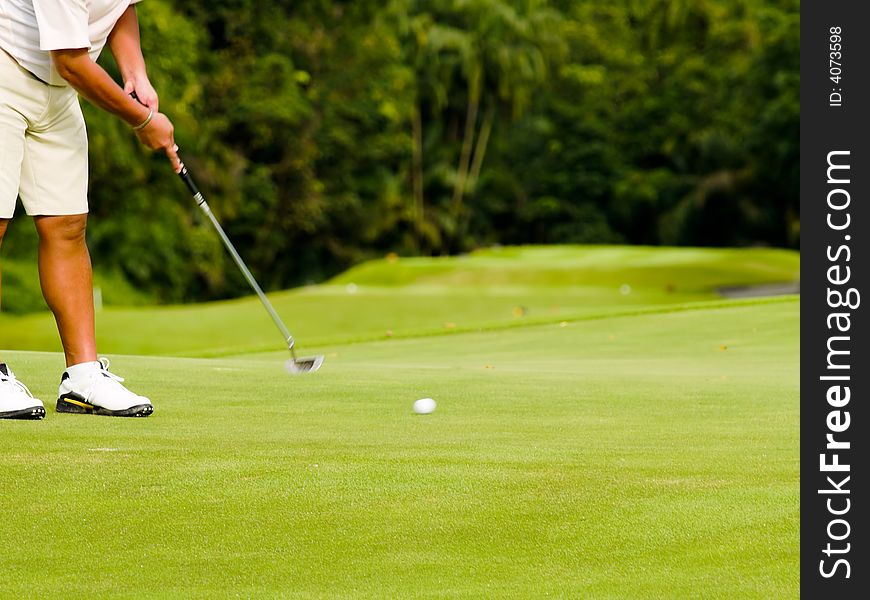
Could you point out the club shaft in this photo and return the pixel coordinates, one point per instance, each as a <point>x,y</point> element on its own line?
<point>247,273</point>
<point>203,205</point>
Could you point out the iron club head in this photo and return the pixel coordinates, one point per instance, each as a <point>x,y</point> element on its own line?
<point>297,366</point>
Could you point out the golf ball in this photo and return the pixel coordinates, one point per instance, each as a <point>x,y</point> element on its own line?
<point>424,406</point>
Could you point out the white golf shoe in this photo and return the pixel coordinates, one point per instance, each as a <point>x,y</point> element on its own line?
<point>16,401</point>
<point>94,390</point>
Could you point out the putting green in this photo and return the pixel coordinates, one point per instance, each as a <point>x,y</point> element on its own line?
<point>642,456</point>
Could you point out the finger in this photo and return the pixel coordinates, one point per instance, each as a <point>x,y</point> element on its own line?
<point>129,87</point>
<point>172,153</point>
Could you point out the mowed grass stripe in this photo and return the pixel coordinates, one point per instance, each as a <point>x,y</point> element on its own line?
<point>646,456</point>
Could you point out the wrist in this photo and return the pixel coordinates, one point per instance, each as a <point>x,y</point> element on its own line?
<point>144,123</point>
<point>134,75</point>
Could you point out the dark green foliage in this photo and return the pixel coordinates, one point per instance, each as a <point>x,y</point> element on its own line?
<point>326,132</point>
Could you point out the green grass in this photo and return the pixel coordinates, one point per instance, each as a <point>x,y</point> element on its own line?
<point>672,269</point>
<point>645,455</point>
<point>410,297</point>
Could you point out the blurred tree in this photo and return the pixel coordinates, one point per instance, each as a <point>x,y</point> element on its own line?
<point>469,54</point>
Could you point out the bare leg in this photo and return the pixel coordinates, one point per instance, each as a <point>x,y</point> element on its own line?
<point>67,283</point>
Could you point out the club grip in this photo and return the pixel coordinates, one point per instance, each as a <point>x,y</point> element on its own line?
<point>188,180</point>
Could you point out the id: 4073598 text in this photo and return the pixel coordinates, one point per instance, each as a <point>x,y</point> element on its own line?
<point>835,65</point>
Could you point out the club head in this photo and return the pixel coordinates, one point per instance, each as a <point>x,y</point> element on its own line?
<point>303,365</point>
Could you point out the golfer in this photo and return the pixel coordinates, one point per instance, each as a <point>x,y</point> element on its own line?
<point>48,50</point>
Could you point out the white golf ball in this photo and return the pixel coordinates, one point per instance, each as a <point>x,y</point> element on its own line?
<point>424,406</point>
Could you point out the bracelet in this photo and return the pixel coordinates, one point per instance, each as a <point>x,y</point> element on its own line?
<point>144,123</point>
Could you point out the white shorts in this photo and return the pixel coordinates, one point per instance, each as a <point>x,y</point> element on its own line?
<point>43,145</point>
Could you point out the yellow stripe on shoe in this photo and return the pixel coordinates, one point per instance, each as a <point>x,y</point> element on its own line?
<point>82,404</point>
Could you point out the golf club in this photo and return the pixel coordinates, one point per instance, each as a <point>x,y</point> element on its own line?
<point>294,365</point>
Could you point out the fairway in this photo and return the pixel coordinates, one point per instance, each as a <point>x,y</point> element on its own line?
<point>646,455</point>
<point>409,297</point>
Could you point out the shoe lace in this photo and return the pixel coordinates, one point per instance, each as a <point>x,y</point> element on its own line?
<point>103,378</point>
<point>105,371</point>
<point>11,380</point>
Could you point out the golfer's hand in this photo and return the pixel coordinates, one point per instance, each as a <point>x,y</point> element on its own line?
<point>159,135</point>
<point>140,88</point>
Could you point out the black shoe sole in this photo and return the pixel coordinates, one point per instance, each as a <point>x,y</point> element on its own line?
<point>77,407</point>
<point>34,413</point>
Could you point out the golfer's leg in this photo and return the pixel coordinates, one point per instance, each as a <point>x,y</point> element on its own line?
<point>67,283</point>
<point>54,191</point>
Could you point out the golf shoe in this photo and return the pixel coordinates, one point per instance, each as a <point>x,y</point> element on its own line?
<point>16,401</point>
<point>93,389</point>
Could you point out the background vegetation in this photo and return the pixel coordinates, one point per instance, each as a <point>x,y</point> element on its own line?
<point>328,132</point>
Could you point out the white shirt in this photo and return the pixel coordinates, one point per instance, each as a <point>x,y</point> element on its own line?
<point>30,29</point>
